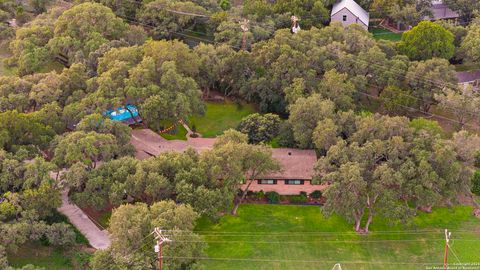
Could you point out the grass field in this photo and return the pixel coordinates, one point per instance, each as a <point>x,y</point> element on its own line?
<point>179,133</point>
<point>379,33</point>
<point>302,233</point>
<point>50,257</point>
<point>41,256</point>
<point>219,117</point>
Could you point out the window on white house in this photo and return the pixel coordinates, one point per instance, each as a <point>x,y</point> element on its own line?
<point>344,18</point>
<point>267,182</point>
<point>294,182</point>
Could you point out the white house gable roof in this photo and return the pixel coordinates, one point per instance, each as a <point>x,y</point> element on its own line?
<point>355,8</point>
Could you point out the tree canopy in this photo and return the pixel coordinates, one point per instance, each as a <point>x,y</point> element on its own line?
<point>131,228</point>
<point>385,168</point>
<point>427,40</point>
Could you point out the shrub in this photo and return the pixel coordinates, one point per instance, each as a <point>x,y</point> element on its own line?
<point>260,195</point>
<point>273,197</point>
<point>260,127</point>
<point>476,183</point>
<point>302,198</point>
<point>316,194</point>
<point>427,40</point>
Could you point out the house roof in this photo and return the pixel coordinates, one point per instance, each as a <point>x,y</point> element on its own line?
<point>355,8</point>
<point>295,163</point>
<point>468,76</point>
<point>441,11</point>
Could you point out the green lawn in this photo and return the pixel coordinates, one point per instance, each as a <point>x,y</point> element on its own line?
<point>42,256</point>
<point>178,133</point>
<point>302,233</point>
<point>220,117</point>
<point>48,257</point>
<point>380,33</point>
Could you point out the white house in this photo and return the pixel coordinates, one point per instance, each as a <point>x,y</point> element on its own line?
<point>348,12</point>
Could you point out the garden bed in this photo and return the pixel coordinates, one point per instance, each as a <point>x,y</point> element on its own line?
<point>315,198</point>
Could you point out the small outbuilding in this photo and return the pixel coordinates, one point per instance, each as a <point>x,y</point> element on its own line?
<point>441,11</point>
<point>349,12</point>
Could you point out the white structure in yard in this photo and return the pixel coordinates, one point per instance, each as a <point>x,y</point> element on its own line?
<point>348,12</point>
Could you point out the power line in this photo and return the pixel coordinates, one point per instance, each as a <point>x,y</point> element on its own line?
<point>356,60</point>
<point>280,235</point>
<point>427,113</point>
<point>454,254</point>
<point>320,241</point>
<point>441,84</point>
<point>315,232</point>
<point>297,261</point>
<point>176,33</point>
<point>416,77</point>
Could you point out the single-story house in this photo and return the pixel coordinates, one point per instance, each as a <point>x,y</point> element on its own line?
<point>128,114</point>
<point>297,166</point>
<point>441,11</point>
<point>294,177</point>
<point>469,78</point>
<point>349,12</point>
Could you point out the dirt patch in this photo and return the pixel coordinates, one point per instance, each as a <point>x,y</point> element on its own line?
<point>98,215</point>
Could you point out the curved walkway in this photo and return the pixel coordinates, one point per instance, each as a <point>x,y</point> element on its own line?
<point>97,238</point>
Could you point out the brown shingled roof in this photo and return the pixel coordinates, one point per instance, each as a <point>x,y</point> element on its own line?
<point>295,163</point>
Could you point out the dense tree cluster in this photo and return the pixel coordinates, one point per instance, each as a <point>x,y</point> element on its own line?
<point>311,88</point>
<point>383,167</point>
<point>29,195</point>
<point>130,230</point>
<point>157,76</point>
<point>427,40</point>
<point>189,177</point>
<point>260,128</point>
<point>70,35</point>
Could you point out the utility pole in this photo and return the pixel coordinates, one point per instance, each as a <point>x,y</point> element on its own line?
<point>158,247</point>
<point>244,27</point>
<point>445,258</point>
